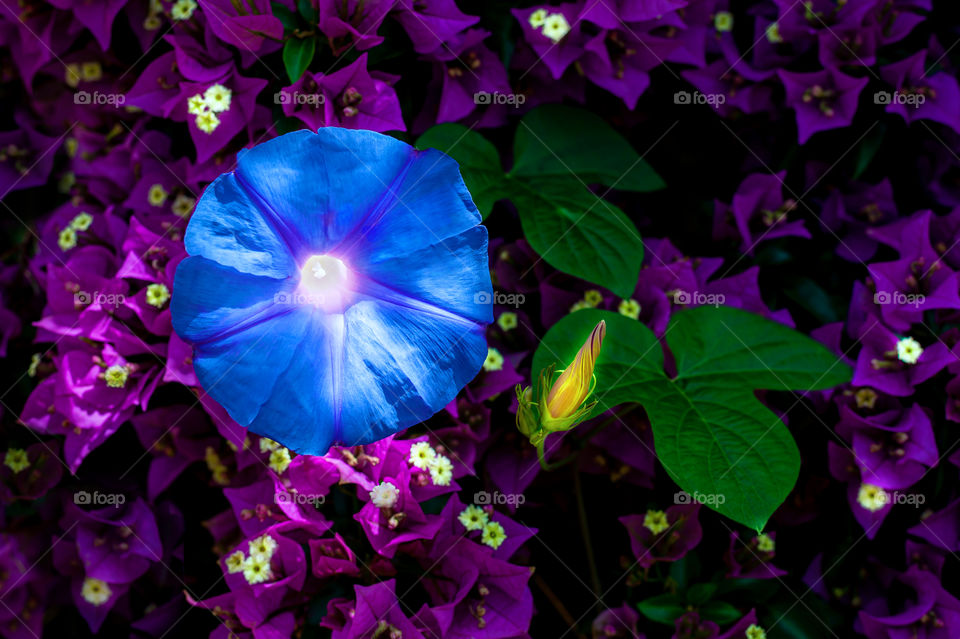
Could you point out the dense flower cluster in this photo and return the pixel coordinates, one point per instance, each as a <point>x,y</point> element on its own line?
<point>824,196</point>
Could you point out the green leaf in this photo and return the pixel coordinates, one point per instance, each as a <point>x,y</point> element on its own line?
<point>555,141</point>
<point>712,435</point>
<point>720,612</point>
<point>868,148</point>
<point>663,608</point>
<point>297,56</point>
<point>811,296</point>
<point>810,617</point>
<point>683,571</point>
<point>699,594</point>
<point>478,160</point>
<point>307,10</point>
<point>579,233</point>
<point>286,17</point>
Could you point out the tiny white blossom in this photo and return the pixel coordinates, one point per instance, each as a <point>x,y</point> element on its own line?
<point>384,495</point>
<point>909,350</point>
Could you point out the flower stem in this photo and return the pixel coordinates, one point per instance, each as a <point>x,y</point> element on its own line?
<point>581,442</point>
<point>585,533</point>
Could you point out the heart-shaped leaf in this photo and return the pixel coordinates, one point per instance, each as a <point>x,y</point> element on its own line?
<point>712,435</point>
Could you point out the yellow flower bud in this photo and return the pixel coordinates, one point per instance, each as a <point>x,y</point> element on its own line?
<point>576,381</point>
<point>561,405</point>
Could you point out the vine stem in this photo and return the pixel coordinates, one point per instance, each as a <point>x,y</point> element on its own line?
<point>585,533</point>
<point>555,601</point>
<point>581,442</point>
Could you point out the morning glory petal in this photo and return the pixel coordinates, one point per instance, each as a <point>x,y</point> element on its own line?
<point>426,205</point>
<point>228,228</point>
<point>215,299</point>
<point>402,366</point>
<point>309,183</point>
<point>426,275</point>
<point>301,411</point>
<point>240,370</point>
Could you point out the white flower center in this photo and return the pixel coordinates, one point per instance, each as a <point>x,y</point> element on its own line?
<point>324,283</point>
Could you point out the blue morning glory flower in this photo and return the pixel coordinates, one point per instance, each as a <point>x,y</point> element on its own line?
<point>334,288</point>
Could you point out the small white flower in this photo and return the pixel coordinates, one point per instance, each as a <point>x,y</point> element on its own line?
<point>473,517</point>
<point>655,521</point>
<point>537,18</point>
<point>196,104</point>
<point>256,570</point>
<point>268,444</point>
<point>280,459</point>
<point>422,455</point>
<point>67,239</point>
<point>773,33</point>
<point>630,308</point>
<point>91,71</point>
<point>872,498</point>
<point>183,9</point>
<point>116,376</point>
<point>81,222</point>
<point>723,21</point>
<point>555,27</point>
<point>494,361</point>
<point>493,534</point>
<point>441,471</point>
<point>235,562</point>
<point>95,591</point>
<point>157,195</point>
<point>207,122</point>
<point>263,546</point>
<point>217,97</point>
<point>507,320</point>
<point>183,205</point>
<point>909,350</point>
<point>384,495</point>
<point>157,295</point>
<point>16,460</point>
